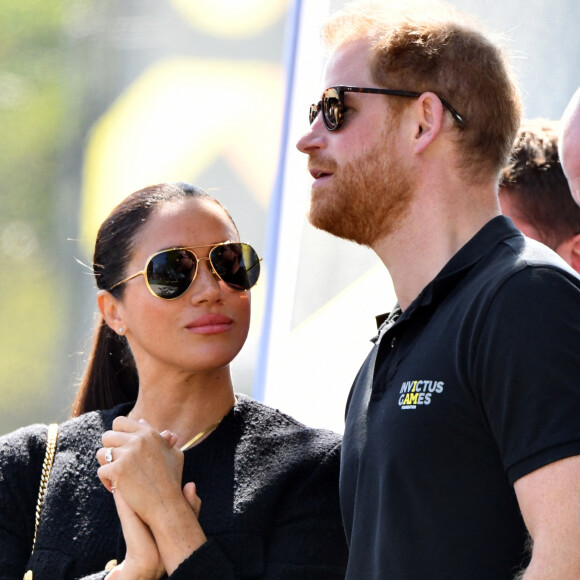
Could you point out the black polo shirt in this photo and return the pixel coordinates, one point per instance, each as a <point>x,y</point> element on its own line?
<point>475,385</point>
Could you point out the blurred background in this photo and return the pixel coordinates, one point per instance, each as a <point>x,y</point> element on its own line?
<point>99,98</point>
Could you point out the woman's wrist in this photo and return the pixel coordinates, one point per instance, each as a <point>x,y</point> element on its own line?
<point>177,536</point>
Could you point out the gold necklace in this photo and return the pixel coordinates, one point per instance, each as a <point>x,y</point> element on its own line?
<point>205,431</point>
<point>199,435</point>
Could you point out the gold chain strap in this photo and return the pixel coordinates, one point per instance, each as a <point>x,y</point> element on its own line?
<point>46,467</point>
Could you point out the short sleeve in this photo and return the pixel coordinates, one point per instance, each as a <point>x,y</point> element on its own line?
<point>528,369</point>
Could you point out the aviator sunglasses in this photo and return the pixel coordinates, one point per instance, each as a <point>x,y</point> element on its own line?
<point>332,104</point>
<point>169,273</point>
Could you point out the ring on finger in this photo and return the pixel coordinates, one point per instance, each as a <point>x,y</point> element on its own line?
<point>109,455</point>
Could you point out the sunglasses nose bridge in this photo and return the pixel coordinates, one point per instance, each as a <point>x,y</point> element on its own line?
<point>210,267</point>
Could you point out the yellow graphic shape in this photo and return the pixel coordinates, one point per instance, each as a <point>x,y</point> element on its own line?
<point>177,119</point>
<point>231,18</point>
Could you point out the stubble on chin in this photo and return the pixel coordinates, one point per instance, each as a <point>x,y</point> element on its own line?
<point>369,199</point>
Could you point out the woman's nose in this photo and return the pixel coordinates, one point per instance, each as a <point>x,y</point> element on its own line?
<point>206,286</point>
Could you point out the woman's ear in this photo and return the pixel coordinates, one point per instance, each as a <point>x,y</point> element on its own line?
<point>429,119</point>
<point>110,310</point>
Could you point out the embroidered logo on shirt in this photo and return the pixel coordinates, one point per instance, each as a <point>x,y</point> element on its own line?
<point>417,393</point>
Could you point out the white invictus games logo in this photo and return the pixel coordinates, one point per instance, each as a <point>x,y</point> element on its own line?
<point>415,393</point>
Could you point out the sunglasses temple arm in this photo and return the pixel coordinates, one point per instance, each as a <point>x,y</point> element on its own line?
<point>142,273</point>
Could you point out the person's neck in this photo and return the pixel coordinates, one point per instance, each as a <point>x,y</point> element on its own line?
<point>435,228</point>
<point>185,405</point>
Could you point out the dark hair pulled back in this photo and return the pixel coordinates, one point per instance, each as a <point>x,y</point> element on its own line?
<point>111,377</point>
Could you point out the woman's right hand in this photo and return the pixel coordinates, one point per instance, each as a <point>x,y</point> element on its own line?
<point>142,560</point>
<point>190,494</point>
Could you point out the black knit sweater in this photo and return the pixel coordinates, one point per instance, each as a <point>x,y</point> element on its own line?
<point>268,484</point>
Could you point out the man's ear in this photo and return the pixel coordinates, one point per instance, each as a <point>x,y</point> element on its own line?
<point>428,120</point>
<point>575,253</point>
<point>110,309</point>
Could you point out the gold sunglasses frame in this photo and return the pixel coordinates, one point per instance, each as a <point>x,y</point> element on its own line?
<point>197,261</point>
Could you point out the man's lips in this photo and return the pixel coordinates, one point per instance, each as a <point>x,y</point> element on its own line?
<point>318,173</point>
<point>210,324</point>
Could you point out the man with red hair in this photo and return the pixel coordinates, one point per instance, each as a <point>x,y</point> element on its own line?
<point>462,435</point>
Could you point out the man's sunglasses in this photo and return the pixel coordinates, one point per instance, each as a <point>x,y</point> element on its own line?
<point>332,104</point>
<point>169,273</point>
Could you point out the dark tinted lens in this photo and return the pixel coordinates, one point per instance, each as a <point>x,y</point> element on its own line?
<point>313,112</point>
<point>236,264</point>
<point>331,108</point>
<point>170,273</point>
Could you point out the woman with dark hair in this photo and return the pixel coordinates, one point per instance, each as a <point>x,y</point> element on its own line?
<point>156,426</point>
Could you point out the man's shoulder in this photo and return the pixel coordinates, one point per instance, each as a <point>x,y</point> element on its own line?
<point>521,291</point>
<point>533,254</point>
<point>516,277</point>
<point>524,259</point>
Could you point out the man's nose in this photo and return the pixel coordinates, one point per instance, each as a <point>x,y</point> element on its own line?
<point>314,138</point>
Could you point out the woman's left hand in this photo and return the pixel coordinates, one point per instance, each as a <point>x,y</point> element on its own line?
<point>145,467</point>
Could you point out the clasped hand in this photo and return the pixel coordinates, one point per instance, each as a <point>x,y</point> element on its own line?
<point>144,471</point>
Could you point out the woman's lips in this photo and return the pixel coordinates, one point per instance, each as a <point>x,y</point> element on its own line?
<point>210,324</point>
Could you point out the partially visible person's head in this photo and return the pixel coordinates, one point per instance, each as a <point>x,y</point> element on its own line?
<point>535,194</point>
<point>432,47</point>
<point>570,144</point>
